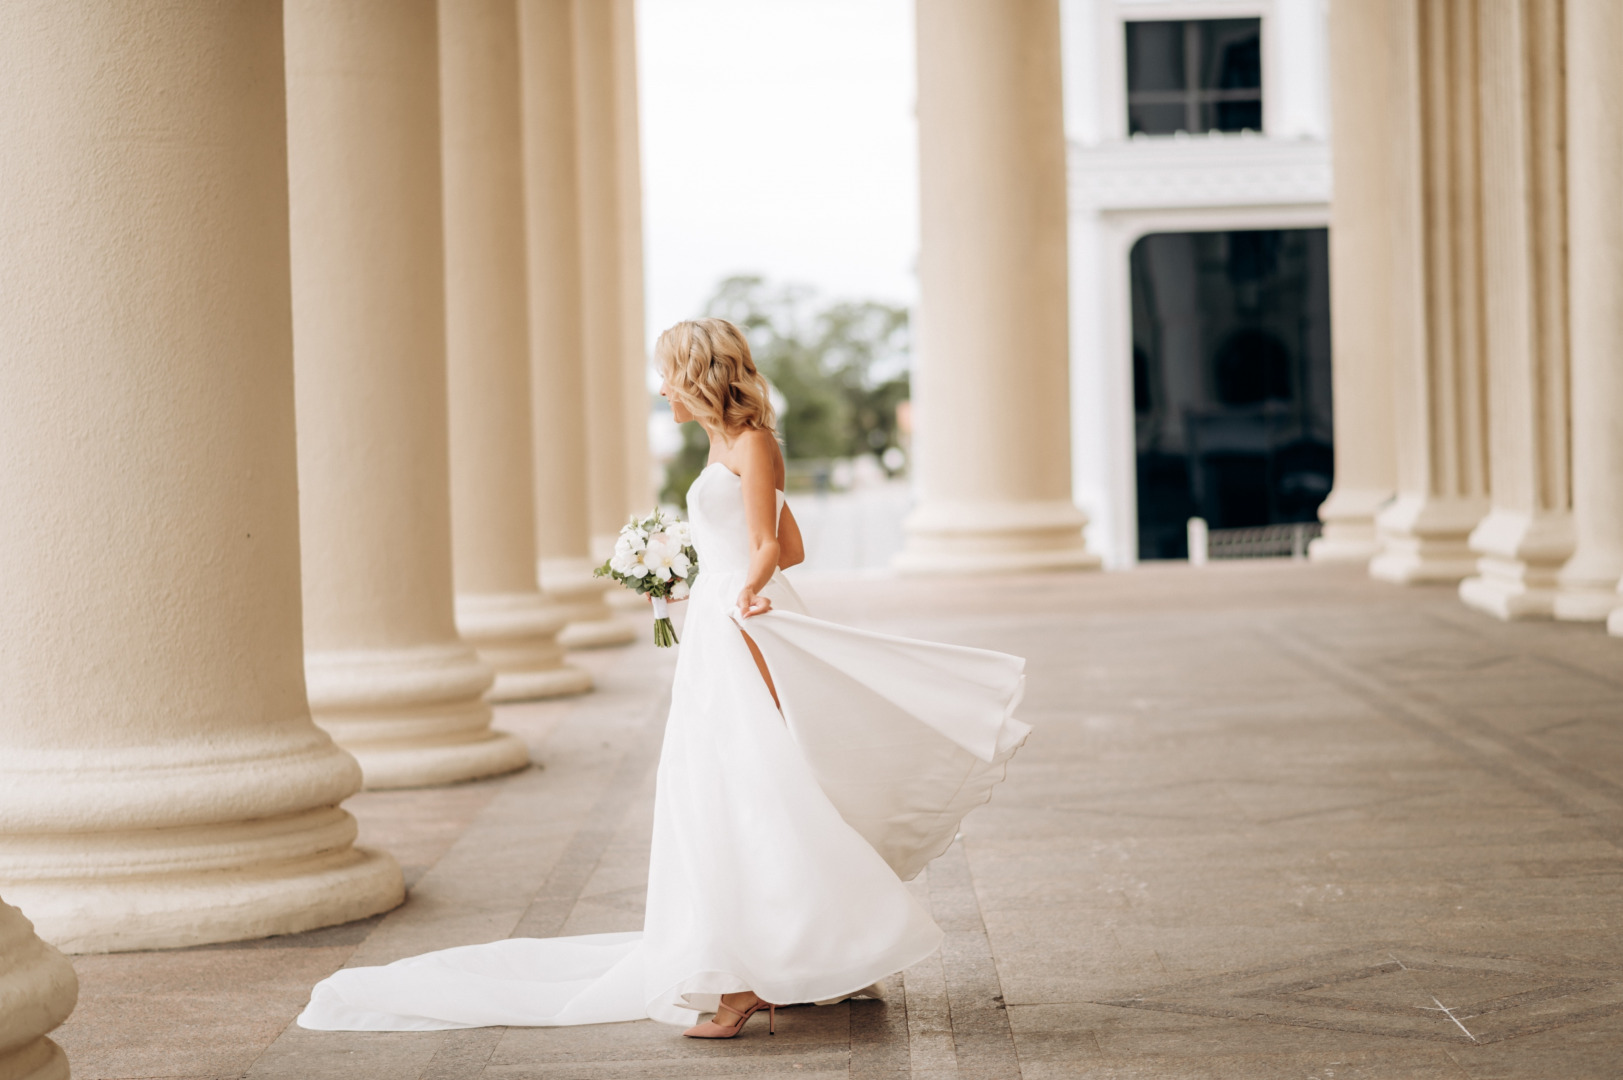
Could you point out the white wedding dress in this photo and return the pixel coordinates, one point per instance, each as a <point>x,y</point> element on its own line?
<point>781,840</point>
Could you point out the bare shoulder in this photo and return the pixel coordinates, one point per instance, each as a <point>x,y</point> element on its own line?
<point>757,450</point>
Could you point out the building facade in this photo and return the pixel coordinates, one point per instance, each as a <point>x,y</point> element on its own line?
<point>1198,150</point>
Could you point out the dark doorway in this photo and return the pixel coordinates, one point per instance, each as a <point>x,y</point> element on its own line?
<point>1231,381</point>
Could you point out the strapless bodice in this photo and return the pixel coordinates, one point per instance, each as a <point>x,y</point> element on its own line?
<point>716,512</point>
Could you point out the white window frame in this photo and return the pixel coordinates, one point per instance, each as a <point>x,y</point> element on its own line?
<point>1114,15</point>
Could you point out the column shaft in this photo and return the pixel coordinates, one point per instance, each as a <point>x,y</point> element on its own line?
<point>1527,534</point>
<point>38,990</point>
<point>640,485</point>
<point>1361,256</point>
<point>992,437</point>
<point>387,673</point>
<point>558,373</point>
<point>1439,408</point>
<point>161,783</point>
<point>601,258</point>
<point>1588,584</point>
<point>499,607</point>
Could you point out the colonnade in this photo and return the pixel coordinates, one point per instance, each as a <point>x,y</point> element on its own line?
<point>300,380</point>
<point>1477,261</point>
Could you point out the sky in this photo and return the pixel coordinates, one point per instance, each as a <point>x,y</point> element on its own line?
<point>778,139</point>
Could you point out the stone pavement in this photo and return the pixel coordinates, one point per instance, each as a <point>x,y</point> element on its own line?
<point>1275,821</point>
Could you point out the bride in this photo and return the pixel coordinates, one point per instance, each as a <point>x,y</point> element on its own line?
<point>808,770</point>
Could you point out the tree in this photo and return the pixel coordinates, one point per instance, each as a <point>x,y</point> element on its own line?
<point>841,369</point>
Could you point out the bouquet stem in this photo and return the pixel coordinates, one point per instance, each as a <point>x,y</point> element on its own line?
<point>664,632</point>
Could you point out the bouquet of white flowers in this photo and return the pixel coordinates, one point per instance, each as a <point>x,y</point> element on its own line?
<point>654,556</point>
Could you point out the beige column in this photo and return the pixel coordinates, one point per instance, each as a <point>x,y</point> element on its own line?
<point>1361,253</point>
<point>1439,406</point>
<point>558,374</point>
<point>640,483</point>
<point>992,424</point>
<point>38,990</point>
<point>388,675</point>
<point>499,607</point>
<point>1588,584</point>
<point>601,256</point>
<point>1527,535</point>
<point>161,783</point>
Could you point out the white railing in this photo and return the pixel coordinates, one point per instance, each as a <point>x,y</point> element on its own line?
<point>1259,542</point>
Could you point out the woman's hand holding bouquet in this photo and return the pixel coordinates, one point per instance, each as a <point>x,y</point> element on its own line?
<point>654,556</point>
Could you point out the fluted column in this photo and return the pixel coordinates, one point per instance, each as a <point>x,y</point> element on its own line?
<point>1360,280</point>
<point>1587,588</point>
<point>640,493</point>
<point>499,607</point>
<point>558,373</point>
<point>601,257</point>
<point>1439,407</point>
<point>992,423</point>
<point>38,990</point>
<point>1527,535</point>
<point>161,783</point>
<point>387,673</point>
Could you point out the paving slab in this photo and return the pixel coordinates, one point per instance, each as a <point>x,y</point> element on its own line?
<point>1275,820</point>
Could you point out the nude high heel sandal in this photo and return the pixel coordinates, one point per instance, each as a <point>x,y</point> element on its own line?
<point>710,1029</point>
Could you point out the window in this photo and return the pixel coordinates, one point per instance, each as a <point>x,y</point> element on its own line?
<point>1194,75</point>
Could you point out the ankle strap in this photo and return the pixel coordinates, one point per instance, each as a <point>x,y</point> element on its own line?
<point>735,1010</point>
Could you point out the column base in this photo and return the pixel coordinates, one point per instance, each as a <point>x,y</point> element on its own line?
<point>121,914</point>
<point>1586,605</point>
<point>413,717</point>
<point>413,766</point>
<point>1522,554</point>
<point>598,633</point>
<point>1587,587</point>
<point>1500,590</point>
<point>517,635</point>
<point>38,990</point>
<point>41,1059</point>
<point>562,681</point>
<point>1425,539</point>
<point>592,623</point>
<point>178,844</point>
<point>624,601</point>
<point>1349,526</point>
<point>995,537</point>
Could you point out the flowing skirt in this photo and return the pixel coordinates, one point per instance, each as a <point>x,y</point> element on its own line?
<point>781,838</point>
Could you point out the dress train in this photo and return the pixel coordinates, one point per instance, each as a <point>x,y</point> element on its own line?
<point>782,840</point>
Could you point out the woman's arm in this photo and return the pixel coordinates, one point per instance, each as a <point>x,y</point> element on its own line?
<point>791,549</point>
<point>757,469</point>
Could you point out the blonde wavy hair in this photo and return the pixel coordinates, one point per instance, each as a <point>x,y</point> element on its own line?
<point>707,363</point>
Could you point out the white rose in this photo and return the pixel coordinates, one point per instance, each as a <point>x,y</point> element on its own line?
<point>679,591</point>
